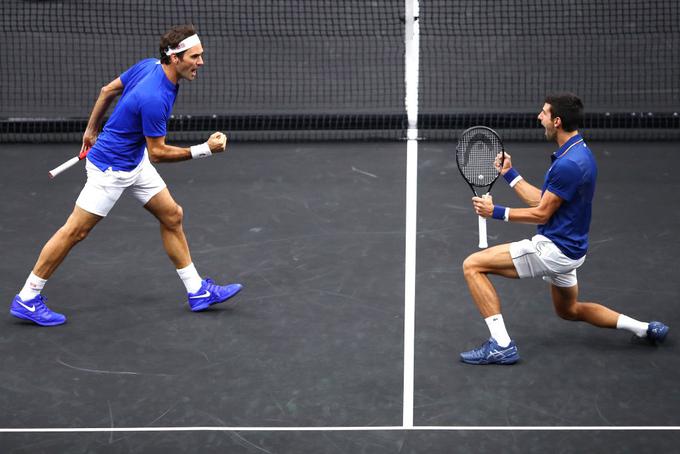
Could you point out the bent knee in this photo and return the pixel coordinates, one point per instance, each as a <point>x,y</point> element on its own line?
<point>568,313</point>
<point>471,264</point>
<point>174,217</point>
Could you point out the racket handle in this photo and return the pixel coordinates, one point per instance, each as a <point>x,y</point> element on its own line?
<point>67,165</point>
<point>483,244</point>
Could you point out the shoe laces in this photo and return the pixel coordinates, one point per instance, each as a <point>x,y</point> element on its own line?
<point>210,285</point>
<point>482,351</point>
<point>40,306</point>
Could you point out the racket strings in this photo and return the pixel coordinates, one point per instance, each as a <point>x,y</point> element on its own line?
<point>476,154</point>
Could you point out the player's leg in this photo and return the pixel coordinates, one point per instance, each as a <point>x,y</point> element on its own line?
<point>29,304</point>
<point>495,260</point>
<point>98,196</point>
<point>567,306</point>
<point>96,199</point>
<point>202,293</point>
<point>77,227</point>
<point>170,216</point>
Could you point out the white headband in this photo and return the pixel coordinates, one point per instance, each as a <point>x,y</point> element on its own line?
<point>185,44</point>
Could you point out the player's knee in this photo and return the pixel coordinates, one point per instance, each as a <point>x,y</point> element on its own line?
<point>175,218</point>
<point>470,265</point>
<point>567,312</point>
<point>75,233</point>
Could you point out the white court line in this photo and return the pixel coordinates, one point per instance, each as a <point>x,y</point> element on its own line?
<point>344,429</point>
<point>410,279</point>
<point>411,62</point>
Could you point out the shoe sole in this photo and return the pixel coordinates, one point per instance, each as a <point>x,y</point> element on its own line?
<point>24,317</point>
<point>488,363</point>
<point>203,307</point>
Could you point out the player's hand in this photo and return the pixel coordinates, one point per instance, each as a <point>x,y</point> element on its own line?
<point>217,142</point>
<point>483,205</point>
<point>507,163</point>
<point>89,138</point>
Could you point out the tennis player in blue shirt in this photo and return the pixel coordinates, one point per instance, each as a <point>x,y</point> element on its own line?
<point>120,159</point>
<point>562,209</point>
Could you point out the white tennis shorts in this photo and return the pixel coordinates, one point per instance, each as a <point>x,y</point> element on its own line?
<point>540,257</point>
<point>103,189</point>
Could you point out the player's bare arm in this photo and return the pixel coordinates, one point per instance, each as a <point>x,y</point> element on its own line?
<point>530,194</point>
<point>107,94</point>
<point>539,214</point>
<point>159,151</point>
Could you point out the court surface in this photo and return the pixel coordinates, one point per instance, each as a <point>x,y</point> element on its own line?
<point>315,341</point>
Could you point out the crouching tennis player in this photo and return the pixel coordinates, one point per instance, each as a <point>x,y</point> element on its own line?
<point>562,210</point>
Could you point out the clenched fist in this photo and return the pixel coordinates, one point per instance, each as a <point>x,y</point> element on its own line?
<point>217,142</point>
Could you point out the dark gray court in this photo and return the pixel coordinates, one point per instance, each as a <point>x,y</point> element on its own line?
<point>315,232</point>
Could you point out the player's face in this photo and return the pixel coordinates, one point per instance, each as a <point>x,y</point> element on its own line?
<point>548,122</point>
<point>187,67</point>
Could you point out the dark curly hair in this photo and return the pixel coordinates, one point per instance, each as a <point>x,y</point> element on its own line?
<point>172,38</point>
<point>568,107</point>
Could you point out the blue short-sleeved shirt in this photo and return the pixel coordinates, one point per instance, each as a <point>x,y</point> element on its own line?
<point>142,110</point>
<point>571,177</point>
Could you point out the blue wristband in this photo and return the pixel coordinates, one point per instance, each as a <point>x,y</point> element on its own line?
<point>498,212</point>
<point>512,177</point>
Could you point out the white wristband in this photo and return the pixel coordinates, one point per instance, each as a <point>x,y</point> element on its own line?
<point>200,151</point>
<point>512,177</point>
<point>516,180</point>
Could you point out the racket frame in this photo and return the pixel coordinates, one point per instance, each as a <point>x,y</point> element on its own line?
<point>483,241</point>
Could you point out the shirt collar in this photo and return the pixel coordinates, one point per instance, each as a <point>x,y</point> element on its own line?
<point>567,146</point>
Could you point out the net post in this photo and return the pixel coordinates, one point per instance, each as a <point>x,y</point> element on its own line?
<point>412,60</point>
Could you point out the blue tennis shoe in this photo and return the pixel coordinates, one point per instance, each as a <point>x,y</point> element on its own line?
<point>656,332</point>
<point>36,311</point>
<point>491,353</point>
<point>210,294</point>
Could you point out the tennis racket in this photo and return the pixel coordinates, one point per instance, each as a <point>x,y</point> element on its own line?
<point>70,163</point>
<point>476,152</point>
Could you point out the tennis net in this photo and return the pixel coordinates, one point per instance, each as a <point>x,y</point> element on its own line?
<point>334,69</point>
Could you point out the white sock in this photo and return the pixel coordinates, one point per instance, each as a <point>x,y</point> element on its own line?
<point>497,329</point>
<point>632,325</point>
<point>32,287</point>
<point>190,277</point>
